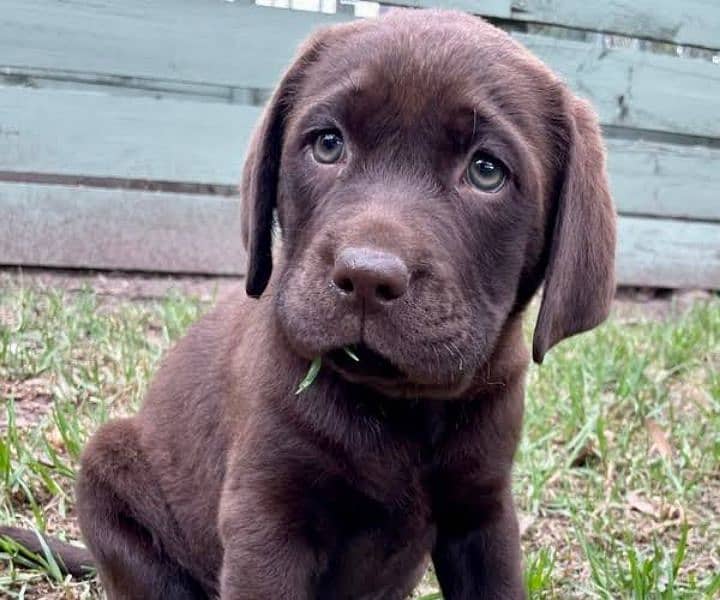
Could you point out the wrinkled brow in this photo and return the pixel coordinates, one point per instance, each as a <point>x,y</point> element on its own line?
<point>481,125</point>
<point>322,104</point>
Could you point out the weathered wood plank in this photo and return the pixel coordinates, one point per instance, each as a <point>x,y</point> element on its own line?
<point>487,8</point>
<point>210,41</point>
<point>667,180</point>
<point>127,85</point>
<point>217,47</point>
<point>60,226</point>
<point>668,253</point>
<point>98,135</point>
<point>637,89</point>
<point>56,226</point>
<point>690,22</point>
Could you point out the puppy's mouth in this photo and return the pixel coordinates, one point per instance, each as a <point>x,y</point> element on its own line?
<point>360,361</point>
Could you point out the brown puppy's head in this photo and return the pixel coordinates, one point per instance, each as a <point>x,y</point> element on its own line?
<point>428,173</point>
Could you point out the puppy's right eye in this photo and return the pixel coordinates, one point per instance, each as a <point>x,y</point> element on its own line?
<point>486,173</point>
<point>328,146</point>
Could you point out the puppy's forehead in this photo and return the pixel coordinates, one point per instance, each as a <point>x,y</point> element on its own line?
<point>419,62</point>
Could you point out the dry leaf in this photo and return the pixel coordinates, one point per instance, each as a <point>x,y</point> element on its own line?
<point>525,522</point>
<point>659,439</point>
<point>54,438</point>
<point>642,505</point>
<point>587,456</point>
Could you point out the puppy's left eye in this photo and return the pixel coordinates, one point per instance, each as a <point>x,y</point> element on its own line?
<point>486,173</point>
<point>328,146</point>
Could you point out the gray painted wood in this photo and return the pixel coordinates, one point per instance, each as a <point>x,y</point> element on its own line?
<point>637,89</point>
<point>57,226</point>
<point>126,85</point>
<point>96,135</point>
<point>665,179</point>
<point>217,47</point>
<point>689,22</point>
<point>170,78</point>
<point>668,253</point>
<point>210,41</point>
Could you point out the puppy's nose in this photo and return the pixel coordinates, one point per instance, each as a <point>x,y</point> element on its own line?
<point>373,276</point>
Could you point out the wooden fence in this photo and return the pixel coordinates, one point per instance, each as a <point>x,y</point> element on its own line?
<point>123,124</point>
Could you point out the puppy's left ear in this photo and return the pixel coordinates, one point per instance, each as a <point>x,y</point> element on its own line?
<point>580,275</point>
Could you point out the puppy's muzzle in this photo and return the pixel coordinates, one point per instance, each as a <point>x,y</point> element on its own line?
<point>369,277</point>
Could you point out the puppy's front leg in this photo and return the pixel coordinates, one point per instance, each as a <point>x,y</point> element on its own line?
<point>482,562</point>
<point>265,553</point>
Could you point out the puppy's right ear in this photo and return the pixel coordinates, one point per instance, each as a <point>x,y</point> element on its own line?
<point>580,275</point>
<point>259,184</point>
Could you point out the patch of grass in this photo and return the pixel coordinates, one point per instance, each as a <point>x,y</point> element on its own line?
<point>619,469</point>
<point>617,478</point>
<point>67,364</point>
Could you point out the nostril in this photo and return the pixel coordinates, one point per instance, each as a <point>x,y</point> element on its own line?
<point>386,292</point>
<point>345,284</point>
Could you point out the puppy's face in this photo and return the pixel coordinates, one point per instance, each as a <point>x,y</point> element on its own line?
<point>418,177</point>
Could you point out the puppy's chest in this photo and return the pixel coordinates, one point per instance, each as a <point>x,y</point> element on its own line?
<point>376,527</point>
<point>394,483</point>
<point>372,544</point>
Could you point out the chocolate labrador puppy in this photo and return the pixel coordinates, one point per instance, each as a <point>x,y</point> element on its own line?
<point>427,175</point>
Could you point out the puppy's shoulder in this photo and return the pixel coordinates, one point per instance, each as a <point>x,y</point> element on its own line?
<point>201,358</point>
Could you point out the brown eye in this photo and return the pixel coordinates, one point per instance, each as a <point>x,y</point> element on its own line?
<point>328,147</point>
<point>486,173</point>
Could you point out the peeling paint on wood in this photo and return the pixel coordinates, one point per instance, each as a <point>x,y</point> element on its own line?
<point>688,22</point>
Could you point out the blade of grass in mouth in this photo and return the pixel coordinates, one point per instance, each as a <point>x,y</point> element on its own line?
<point>310,376</point>
<point>351,354</point>
<point>314,369</point>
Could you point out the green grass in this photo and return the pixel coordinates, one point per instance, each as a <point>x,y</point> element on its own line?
<point>617,479</point>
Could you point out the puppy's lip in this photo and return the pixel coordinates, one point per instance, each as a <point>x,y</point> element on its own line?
<point>360,361</point>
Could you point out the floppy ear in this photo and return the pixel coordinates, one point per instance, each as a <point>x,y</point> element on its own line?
<point>259,184</point>
<point>580,275</point>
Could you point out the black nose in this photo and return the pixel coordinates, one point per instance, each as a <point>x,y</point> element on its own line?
<point>373,276</point>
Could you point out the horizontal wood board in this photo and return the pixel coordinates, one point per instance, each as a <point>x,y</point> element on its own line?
<point>238,45</point>
<point>637,89</point>
<point>689,22</point>
<point>100,135</point>
<point>666,180</point>
<point>201,41</point>
<point>668,253</point>
<point>60,226</point>
<point>169,140</point>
